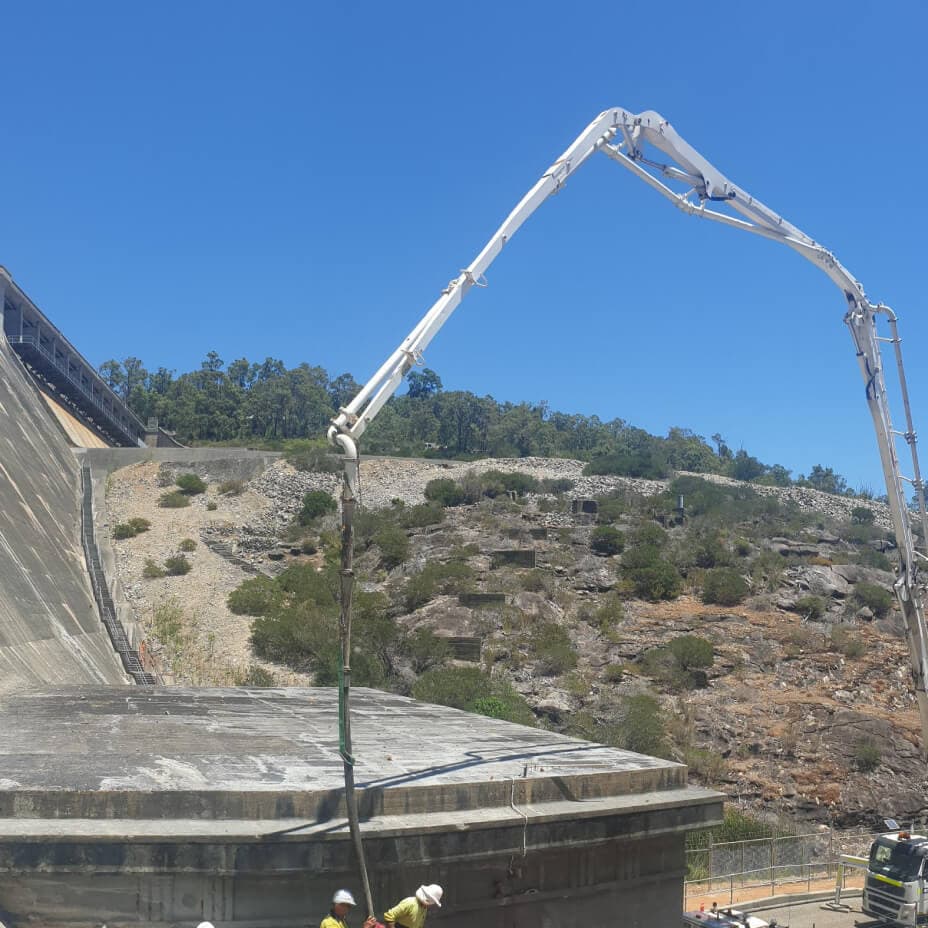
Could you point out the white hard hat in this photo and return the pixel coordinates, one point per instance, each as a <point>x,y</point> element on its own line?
<point>205,925</point>
<point>343,897</point>
<point>430,895</point>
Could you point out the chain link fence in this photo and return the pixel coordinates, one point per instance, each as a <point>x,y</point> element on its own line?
<point>736,871</point>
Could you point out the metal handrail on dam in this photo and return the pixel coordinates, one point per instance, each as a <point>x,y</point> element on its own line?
<point>122,419</point>
<point>44,347</point>
<point>127,654</point>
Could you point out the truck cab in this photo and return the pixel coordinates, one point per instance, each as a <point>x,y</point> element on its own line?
<point>894,887</point>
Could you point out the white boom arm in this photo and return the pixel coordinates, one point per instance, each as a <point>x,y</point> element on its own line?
<point>627,139</point>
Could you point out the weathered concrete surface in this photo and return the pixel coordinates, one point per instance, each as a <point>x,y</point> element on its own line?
<point>218,463</point>
<point>227,804</point>
<point>50,631</point>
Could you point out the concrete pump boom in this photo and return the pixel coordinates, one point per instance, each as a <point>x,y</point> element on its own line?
<point>703,191</point>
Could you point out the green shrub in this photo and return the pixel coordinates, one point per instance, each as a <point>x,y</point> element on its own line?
<point>426,650</point>
<point>168,622</point>
<point>302,631</point>
<point>130,529</point>
<point>862,515</point>
<point>609,509</point>
<point>736,826</point>
<point>533,581</point>
<point>811,607</point>
<point>643,726</point>
<point>393,544</point>
<point>609,614</point>
<point>187,544</point>
<point>231,487</point>
<point>859,533</point>
<point>875,598</point>
<point>681,664</point>
<point>724,586</point>
<point>607,540</point>
<point>472,689</point>
<point>177,566</point>
<point>554,651</point>
<point>421,515</point>
<point>308,546</point>
<point>435,578</point>
<point>867,756</point>
<point>190,484</point>
<point>709,551</point>
<point>510,481</point>
<point>651,576</point>
<point>692,652</point>
<point>257,676</point>
<point>645,463</point>
<point>614,673</point>
<point>294,635</point>
<point>649,535</point>
<point>742,547</point>
<point>870,557</point>
<point>849,645</point>
<point>709,765</point>
<point>151,571</point>
<point>316,503</point>
<point>445,492</point>
<point>211,506</point>
<point>173,500</point>
<point>255,596</point>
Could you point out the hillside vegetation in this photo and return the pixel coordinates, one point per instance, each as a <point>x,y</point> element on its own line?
<point>268,405</point>
<point>751,636</point>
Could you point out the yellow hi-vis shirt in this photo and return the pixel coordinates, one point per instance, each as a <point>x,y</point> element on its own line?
<point>407,913</point>
<point>333,921</point>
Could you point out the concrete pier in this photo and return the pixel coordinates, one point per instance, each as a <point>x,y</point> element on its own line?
<point>161,807</point>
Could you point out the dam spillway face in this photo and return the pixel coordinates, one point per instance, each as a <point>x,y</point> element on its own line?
<point>50,630</point>
<point>164,806</point>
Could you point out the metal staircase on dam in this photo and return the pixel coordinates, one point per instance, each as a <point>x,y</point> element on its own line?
<point>101,592</point>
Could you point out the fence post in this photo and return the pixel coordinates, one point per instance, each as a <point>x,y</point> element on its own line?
<point>773,864</point>
<point>710,863</point>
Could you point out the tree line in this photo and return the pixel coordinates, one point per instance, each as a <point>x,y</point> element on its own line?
<point>268,404</point>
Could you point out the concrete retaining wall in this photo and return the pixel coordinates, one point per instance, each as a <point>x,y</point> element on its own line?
<point>218,463</point>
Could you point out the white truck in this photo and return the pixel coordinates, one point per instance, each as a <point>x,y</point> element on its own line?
<point>894,889</point>
<point>724,918</point>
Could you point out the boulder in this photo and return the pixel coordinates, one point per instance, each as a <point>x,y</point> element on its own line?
<point>554,704</point>
<point>822,581</point>
<point>796,548</point>
<point>590,573</point>
<point>856,573</point>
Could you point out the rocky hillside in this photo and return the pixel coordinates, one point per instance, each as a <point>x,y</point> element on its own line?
<point>751,635</point>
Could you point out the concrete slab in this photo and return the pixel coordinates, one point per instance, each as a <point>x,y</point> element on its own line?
<point>162,806</point>
<point>259,753</point>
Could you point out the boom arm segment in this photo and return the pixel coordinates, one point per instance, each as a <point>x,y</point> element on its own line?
<point>628,139</point>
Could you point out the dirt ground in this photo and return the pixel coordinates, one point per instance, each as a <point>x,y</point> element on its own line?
<point>198,639</point>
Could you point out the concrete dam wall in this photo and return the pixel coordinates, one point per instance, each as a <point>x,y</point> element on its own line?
<point>50,631</point>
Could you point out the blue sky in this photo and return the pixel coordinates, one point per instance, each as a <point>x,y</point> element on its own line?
<point>300,180</point>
